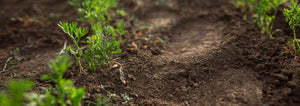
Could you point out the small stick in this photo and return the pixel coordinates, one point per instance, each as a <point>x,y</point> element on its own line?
<point>5,65</point>
<point>122,75</point>
<point>62,51</point>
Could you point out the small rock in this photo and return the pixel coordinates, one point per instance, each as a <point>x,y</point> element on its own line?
<point>195,84</point>
<point>88,94</point>
<point>280,77</point>
<point>134,45</point>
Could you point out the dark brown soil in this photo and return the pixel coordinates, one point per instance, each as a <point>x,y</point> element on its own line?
<point>209,56</point>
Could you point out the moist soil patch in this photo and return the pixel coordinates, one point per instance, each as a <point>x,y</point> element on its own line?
<point>190,52</point>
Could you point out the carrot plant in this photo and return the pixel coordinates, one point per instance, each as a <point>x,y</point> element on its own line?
<point>95,11</point>
<point>293,17</point>
<point>104,40</point>
<point>75,34</point>
<point>65,92</point>
<point>15,93</point>
<point>263,15</point>
<point>264,20</point>
<point>245,5</point>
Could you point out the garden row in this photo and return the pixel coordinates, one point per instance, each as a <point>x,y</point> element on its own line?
<point>264,14</point>
<point>103,41</point>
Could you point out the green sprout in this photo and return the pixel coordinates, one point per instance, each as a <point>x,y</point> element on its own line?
<point>15,93</point>
<point>65,92</point>
<point>95,10</point>
<point>265,21</point>
<point>75,34</point>
<point>104,40</point>
<point>102,44</point>
<point>246,6</point>
<point>102,101</point>
<point>293,17</point>
<point>126,98</point>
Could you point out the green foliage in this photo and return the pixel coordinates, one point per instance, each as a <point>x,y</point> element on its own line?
<point>104,41</point>
<point>71,30</point>
<point>126,98</point>
<point>98,51</point>
<point>75,3</point>
<point>95,10</point>
<point>46,99</point>
<point>101,101</point>
<point>102,44</point>
<point>75,34</point>
<point>293,17</point>
<point>14,95</point>
<point>246,5</point>
<point>263,15</point>
<point>120,28</point>
<point>121,12</point>
<point>265,21</point>
<point>63,94</point>
<point>65,91</point>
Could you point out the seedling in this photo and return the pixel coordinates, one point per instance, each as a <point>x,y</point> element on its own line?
<point>103,42</point>
<point>102,101</point>
<point>14,95</point>
<point>75,34</point>
<point>64,94</point>
<point>246,6</point>
<point>95,11</point>
<point>43,99</point>
<point>262,10</point>
<point>126,99</point>
<point>64,88</point>
<point>265,21</point>
<point>293,17</point>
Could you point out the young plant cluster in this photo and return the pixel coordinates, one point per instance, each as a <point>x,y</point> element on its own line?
<point>106,40</point>
<point>264,17</point>
<point>245,5</point>
<point>293,18</point>
<point>64,94</point>
<point>264,11</point>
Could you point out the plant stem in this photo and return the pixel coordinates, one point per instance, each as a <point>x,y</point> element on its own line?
<point>80,66</point>
<point>294,31</point>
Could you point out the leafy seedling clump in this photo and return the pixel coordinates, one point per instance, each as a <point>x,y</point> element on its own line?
<point>265,21</point>
<point>63,94</point>
<point>75,34</point>
<point>264,12</point>
<point>293,18</point>
<point>105,39</point>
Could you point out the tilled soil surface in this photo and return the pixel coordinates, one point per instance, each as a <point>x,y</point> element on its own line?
<point>208,55</point>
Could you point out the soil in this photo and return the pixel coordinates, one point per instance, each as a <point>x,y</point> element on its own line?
<point>208,54</point>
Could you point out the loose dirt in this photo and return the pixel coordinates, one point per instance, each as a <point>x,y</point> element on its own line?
<point>208,55</point>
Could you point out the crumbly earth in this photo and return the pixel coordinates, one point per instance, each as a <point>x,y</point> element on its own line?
<point>190,52</point>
